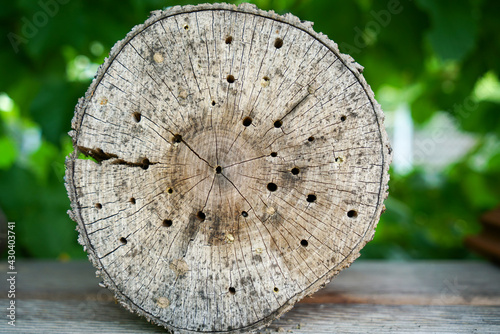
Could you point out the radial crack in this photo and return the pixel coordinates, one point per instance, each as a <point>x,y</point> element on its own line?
<point>99,156</point>
<point>194,152</point>
<point>244,161</point>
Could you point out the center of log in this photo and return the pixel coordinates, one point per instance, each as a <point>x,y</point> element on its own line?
<point>223,160</point>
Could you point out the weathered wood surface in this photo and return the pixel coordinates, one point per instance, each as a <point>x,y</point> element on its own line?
<point>381,297</point>
<point>242,163</point>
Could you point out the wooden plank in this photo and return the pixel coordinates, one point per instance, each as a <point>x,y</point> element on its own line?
<point>416,283</point>
<point>73,316</point>
<point>377,282</point>
<point>486,244</point>
<point>371,296</point>
<point>491,218</point>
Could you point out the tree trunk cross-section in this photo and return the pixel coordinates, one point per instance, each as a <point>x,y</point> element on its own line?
<point>239,163</point>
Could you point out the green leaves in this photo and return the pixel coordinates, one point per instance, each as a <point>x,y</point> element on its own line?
<point>454,28</point>
<point>9,152</point>
<point>429,55</point>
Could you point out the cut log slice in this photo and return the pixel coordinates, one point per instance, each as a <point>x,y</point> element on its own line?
<point>236,162</point>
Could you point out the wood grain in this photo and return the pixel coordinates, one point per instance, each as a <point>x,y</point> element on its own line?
<point>239,163</point>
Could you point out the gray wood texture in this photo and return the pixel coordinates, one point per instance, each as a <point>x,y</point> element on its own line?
<point>240,163</point>
<point>369,297</point>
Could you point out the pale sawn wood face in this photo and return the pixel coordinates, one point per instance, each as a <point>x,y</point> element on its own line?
<point>242,164</point>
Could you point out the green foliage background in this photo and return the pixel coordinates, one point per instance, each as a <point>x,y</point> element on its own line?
<point>430,56</point>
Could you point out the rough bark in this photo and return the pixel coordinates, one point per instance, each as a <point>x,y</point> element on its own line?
<point>239,163</point>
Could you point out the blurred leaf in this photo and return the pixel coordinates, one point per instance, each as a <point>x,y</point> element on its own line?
<point>43,228</point>
<point>453,28</point>
<point>8,152</point>
<point>429,55</point>
<point>422,110</point>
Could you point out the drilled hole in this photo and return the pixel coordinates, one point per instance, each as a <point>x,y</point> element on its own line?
<point>266,78</point>
<point>218,169</point>
<point>274,154</point>
<point>98,206</point>
<point>272,186</point>
<point>201,215</point>
<point>276,289</point>
<point>177,138</point>
<point>244,214</point>
<point>145,163</point>
<point>137,116</point>
<point>170,190</point>
<point>278,43</point>
<point>295,171</point>
<point>304,243</point>
<point>352,214</point>
<point>278,123</point>
<point>230,78</point>
<point>232,290</point>
<point>186,27</point>
<point>167,222</point>
<point>343,118</point>
<point>214,103</point>
<point>123,240</point>
<point>311,198</point>
<point>132,200</point>
<point>310,139</point>
<point>229,39</point>
<point>247,121</point>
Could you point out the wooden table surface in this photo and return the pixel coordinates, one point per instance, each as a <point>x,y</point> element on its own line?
<point>369,297</point>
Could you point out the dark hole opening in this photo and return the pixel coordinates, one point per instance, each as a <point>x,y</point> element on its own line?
<point>132,200</point>
<point>295,171</point>
<point>177,138</point>
<point>352,214</point>
<point>123,240</point>
<point>244,214</point>
<point>311,198</point>
<point>230,78</point>
<point>272,187</point>
<point>98,206</point>
<point>343,118</point>
<point>304,242</point>
<point>229,39</point>
<point>137,116</point>
<point>310,138</point>
<point>247,121</point>
<point>278,123</point>
<point>145,164</point>
<point>201,215</point>
<point>167,222</point>
<point>274,154</point>
<point>278,43</point>
<point>218,169</point>
<point>232,290</point>
<point>170,190</point>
